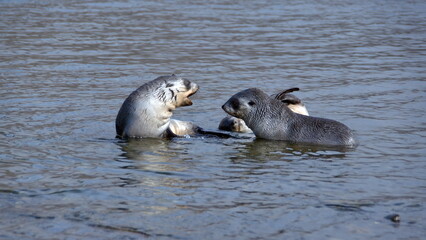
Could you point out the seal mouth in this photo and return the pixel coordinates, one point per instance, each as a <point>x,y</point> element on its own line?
<point>187,101</point>
<point>228,110</point>
<point>225,109</point>
<point>192,93</point>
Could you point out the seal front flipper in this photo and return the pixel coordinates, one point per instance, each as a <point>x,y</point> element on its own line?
<point>182,128</point>
<point>169,134</point>
<point>215,134</point>
<point>294,103</point>
<point>179,128</point>
<point>284,92</point>
<point>288,98</point>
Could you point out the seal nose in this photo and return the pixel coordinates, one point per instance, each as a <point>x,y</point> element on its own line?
<point>223,107</point>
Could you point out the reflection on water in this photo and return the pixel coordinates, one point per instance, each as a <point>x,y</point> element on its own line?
<point>153,155</point>
<point>155,150</point>
<point>67,66</point>
<point>265,150</point>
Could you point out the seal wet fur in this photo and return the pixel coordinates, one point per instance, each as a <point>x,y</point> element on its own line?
<point>147,111</point>
<point>294,103</point>
<point>269,118</point>
<point>234,124</point>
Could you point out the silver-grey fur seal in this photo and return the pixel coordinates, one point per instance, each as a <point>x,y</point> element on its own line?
<point>234,124</point>
<point>269,118</point>
<point>147,111</point>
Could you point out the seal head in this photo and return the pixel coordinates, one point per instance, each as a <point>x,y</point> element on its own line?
<point>234,124</point>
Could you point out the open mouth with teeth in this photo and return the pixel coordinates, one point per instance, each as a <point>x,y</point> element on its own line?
<point>187,101</point>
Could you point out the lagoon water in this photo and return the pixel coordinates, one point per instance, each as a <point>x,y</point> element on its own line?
<point>67,66</point>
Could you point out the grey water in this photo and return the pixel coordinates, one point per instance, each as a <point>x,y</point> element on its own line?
<point>67,66</point>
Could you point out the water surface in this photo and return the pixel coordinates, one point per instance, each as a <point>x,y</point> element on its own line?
<point>67,66</point>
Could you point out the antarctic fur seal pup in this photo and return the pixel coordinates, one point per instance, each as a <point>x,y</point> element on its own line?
<point>234,124</point>
<point>147,111</point>
<point>269,118</point>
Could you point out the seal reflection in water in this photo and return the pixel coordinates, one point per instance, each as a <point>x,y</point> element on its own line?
<point>270,118</point>
<point>147,111</point>
<point>234,124</point>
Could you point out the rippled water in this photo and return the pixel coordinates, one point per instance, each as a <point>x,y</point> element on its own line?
<point>66,67</point>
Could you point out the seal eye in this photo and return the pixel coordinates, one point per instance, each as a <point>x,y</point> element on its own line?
<point>251,103</point>
<point>169,85</point>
